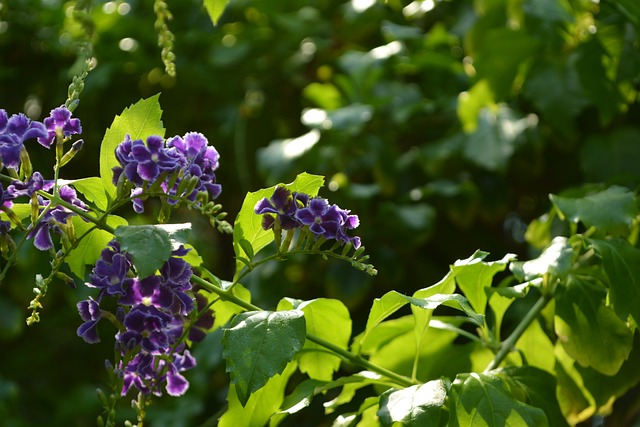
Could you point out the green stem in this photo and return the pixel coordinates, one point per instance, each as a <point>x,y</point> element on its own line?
<point>508,344</point>
<point>345,354</point>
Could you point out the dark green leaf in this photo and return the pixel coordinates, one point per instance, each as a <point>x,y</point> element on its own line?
<point>485,400</point>
<point>591,332</point>
<point>610,211</point>
<point>496,138</point>
<point>258,345</point>
<point>501,55</point>
<point>418,405</point>
<point>622,264</point>
<point>139,120</point>
<point>151,245</point>
<point>612,156</point>
<point>539,387</point>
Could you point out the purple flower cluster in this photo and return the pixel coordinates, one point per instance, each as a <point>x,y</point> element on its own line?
<point>298,210</point>
<point>153,313</point>
<point>182,167</point>
<point>14,132</point>
<point>18,128</point>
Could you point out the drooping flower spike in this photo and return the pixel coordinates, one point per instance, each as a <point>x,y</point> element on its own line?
<point>298,210</point>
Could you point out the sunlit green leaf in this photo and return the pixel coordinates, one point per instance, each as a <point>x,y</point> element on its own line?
<point>150,246</point>
<point>591,332</point>
<point>140,120</point>
<point>93,190</point>
<point>615,219</point>
<point>330,320</point>
<point>88,250</point>
<point>258,345</point>
<point>474,275</point>
<point>260,406</point>
<point>418,405</point>
<point>215,8</point>
<point>556,260</point>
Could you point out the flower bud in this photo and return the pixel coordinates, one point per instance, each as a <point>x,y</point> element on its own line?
<point>75,147</point>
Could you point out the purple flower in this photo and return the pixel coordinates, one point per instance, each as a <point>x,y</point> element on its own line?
<point>150,328</point>
<point>89,312</point>
<point>199,160</point>
<point>177,384</point>
<point>147,372</point>
<point>329,221</point>
<point>59,121</point>
<point>29,187</point>
<point>14,133</point>
<point>110,273</point>
<point>284,205</point>
<point>152,159</point>
<point>54,218</point>
<point>322,219</point>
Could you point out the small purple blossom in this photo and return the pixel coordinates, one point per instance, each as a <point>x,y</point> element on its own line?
<point>54,218</point>
<point>150,328</point>
<point>59,122</point>
<point>89,312</point>
<point>111,272</point>
<point>147,372</point>
<point>14,131</point>
<point>29,187</point>
<point>284,205</point>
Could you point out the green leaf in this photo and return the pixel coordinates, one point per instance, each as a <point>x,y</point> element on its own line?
<point>611,156</point>
<point>418,405</point>
<point>139,120</point>
<point>299,399</point>
<point>225,310</point>
<point>248,224</point>
<point>498,134</point>
<point>556,260</point>
<point>93,190</point>
<point>485,400</point>
<point>330,320</point>
<point>539,388</point>
<point>610,211</point>
<point>501,56</point>
<point>474,275</point>
<point>151,245</point>
<point>537,348</point>
<point>621,262</point>
<point>630,9</point>
<point>215,8</point>
<point>258,345</point>
<point>591,332</point>
<point>88,250</point>
<point>262,404</point>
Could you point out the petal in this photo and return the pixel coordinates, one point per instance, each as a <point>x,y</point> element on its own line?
<point>177,385</point>
<point>42,239</point>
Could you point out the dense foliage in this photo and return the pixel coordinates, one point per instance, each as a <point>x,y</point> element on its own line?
<point>508,126</point>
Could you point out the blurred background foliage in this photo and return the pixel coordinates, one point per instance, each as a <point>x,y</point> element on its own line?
<point>443,124</point>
